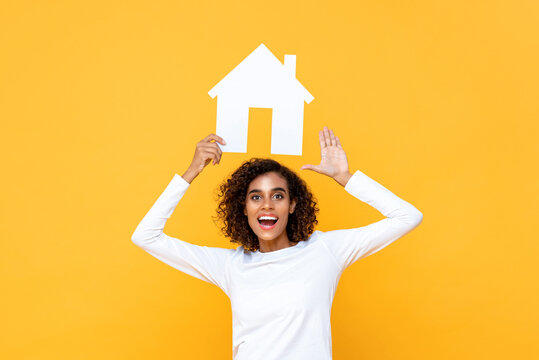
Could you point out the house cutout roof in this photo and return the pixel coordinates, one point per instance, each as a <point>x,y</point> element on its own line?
<point>262,67</point>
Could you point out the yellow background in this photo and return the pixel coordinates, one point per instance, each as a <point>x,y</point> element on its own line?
<point>101,102</point>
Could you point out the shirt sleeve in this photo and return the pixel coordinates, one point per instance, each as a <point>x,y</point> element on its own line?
<point>202,262</point>
<point>350,245</point>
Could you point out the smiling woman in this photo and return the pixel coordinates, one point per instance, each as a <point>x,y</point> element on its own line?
<point>265,206</point>
<point>282,278</point>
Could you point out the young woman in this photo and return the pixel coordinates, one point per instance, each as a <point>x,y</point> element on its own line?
<point>282,278</point>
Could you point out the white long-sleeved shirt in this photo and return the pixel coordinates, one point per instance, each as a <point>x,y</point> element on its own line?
<point>281,300</point>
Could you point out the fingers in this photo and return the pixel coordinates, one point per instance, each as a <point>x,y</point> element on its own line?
<point>322,139</point>
<point>214,137</point>
<point>326,136</point>
<point>332,138</point>
<point>211,154</point>
<point>210,150</point>
<point>216,147</point>
<point>216,154</point>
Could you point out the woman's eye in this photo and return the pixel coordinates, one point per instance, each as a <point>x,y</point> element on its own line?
<point>255,197</point>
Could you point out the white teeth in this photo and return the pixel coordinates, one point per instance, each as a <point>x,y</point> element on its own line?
<point>267,218</point>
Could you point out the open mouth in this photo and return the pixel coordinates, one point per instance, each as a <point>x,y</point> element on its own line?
<point>267,222</point>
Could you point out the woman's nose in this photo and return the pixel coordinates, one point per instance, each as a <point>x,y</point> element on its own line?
<point>268,204</point>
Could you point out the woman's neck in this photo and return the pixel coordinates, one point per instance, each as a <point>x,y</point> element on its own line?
<point>275,244</point>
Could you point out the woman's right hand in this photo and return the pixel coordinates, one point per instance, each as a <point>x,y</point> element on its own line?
<point>205,152</point>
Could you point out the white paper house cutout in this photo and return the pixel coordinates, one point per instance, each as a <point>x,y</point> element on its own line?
<point>261,81</point>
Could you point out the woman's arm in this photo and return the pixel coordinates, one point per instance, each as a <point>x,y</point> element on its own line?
<point>202,262</point>
<point>350,245</point>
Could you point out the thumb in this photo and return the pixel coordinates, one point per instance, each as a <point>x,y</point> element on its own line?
<point>311,167</point>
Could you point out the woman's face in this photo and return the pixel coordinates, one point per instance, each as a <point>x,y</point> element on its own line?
<point>267,195</point>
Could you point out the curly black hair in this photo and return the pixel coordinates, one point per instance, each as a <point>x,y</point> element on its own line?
<point>232,194</point>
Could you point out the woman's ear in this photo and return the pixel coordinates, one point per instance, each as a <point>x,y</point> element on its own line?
<point>292,206</point>
<point>245,211</point>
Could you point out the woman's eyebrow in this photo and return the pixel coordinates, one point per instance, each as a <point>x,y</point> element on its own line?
<point>274,189</point>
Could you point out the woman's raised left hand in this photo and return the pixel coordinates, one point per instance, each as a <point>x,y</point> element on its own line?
<point>334,162</point>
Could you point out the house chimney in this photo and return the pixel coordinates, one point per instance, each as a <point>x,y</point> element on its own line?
<point>290,65</point>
